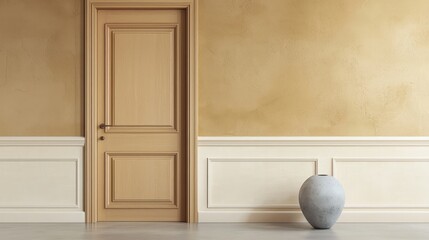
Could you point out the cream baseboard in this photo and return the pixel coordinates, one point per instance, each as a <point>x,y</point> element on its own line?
<point>296,216</point>
<point>47,217</point>
<point>41,179</point>
<point>257,179</point>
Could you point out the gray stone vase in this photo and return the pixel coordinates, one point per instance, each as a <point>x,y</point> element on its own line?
<point>321,199</point>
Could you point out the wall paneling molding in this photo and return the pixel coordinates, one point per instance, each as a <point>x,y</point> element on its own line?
<point>41,179</point>
<point>257,179</point>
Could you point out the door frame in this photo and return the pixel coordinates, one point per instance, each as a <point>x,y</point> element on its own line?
<point>90,166</point>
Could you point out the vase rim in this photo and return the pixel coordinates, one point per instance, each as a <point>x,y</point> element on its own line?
<point>322,175</point>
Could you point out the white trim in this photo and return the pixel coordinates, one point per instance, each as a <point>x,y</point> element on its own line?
<point>30,151</point>
<point>312,141</point>
<point>301,159</point>
<point>42,141</point>
<point>329,151</point>
<point>59,216</point>
<point>251,216</point>
<point>297,216</point>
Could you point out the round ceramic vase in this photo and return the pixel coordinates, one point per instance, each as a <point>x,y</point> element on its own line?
<point>321,199</point>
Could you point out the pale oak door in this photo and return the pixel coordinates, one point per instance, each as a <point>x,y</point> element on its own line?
<point>141,77</point>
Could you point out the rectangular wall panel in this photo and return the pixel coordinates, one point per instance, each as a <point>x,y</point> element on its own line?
<point>41,179</point>
<point>257,182</point>
<point>384,182</point>
<point>257,179</point>
<point>41,183</point>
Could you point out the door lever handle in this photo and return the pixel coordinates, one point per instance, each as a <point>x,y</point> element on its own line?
<point>103,126</point>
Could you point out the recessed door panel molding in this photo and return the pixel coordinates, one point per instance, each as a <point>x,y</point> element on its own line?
<point>151,105</point>
<point>141,112</point>
<point>141,180</point>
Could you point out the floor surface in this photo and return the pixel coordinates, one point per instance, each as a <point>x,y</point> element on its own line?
<point>209,231</point>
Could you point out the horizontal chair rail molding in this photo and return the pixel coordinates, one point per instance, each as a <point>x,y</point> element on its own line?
<point>41,179</point>
<point>257,179</point>
<point>42,141</point>
<point>313,141</point>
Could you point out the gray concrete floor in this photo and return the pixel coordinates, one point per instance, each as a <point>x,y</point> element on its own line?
<point>209,231</point>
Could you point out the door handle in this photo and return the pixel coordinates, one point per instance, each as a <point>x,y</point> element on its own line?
<point>102,138</point>
<point>103,126</point>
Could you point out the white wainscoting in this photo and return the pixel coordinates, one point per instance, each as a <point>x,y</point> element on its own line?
<point>257,179</point>
<point>41,179</point>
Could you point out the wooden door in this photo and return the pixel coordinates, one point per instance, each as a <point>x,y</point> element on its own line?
<point>141,111</point>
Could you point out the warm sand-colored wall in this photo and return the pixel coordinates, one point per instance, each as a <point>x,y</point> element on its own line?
<point>41,67</point>
<point>307,67</point>
<point>266,67</point>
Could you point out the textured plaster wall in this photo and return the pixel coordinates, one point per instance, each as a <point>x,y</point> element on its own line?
<point>41,67</point>
<point>266,67</point>
<point>308,67</point>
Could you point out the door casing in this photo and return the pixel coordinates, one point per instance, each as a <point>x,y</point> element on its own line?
<point>90,171</point>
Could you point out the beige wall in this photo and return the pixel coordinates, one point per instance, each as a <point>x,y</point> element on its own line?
<point>332,67</point>
<point>41,67</point>
<point>266,67</point>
